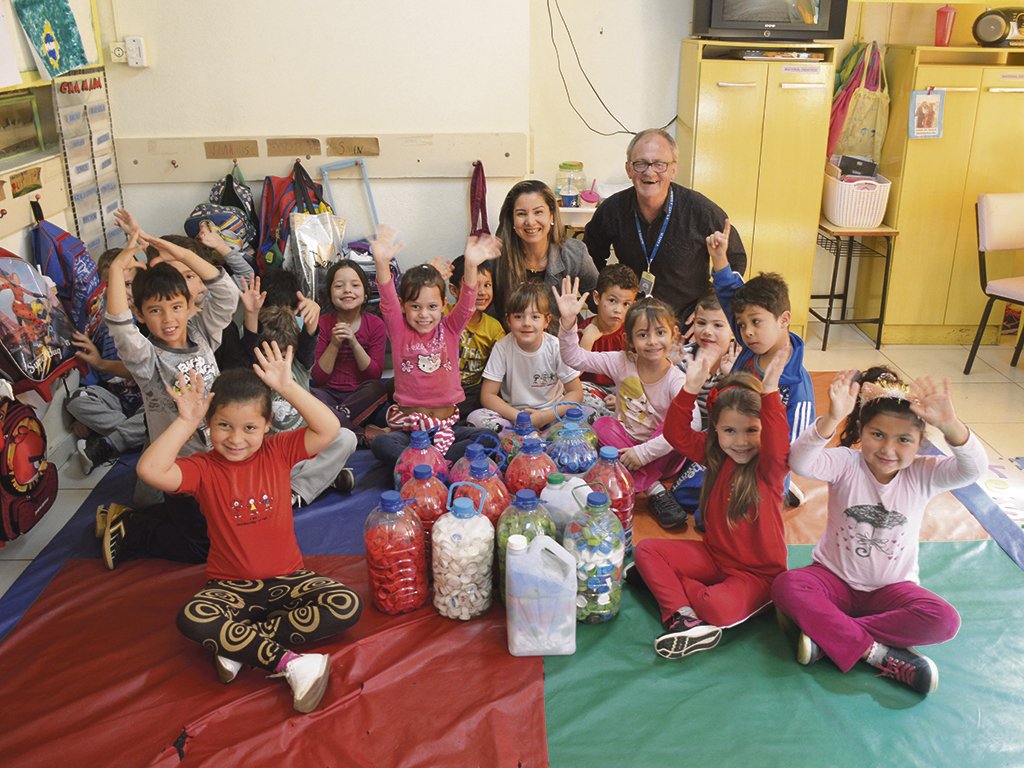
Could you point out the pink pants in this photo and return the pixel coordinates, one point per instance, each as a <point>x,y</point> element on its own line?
<point>610,431</point>
<point>683,573</point>
<point>844,621</point>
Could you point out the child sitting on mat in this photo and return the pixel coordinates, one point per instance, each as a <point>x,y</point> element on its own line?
<point>704,586</point>
<point>259,599</point>
<point>860,599</point>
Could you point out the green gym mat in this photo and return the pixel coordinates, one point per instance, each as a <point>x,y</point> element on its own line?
<point>748,703</point>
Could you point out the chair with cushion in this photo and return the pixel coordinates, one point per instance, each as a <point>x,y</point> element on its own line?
<point>1000,228</point>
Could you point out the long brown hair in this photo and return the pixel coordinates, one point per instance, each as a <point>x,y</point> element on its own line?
<point>863,412</point>
<point>741,392</point>
<point>510,269</point>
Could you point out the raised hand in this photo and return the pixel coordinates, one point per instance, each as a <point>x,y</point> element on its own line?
<point>442,265</point>
<point>211,238</point>
<point>273,367</point>
<point>481,248</point>
<point>252,296</point>
<point>842,395</point>
<point>772,372</point>
<point>191,397</point>
<point>728,358</point>
<point>309,311</point>
<point>385,247</point>
<point>127,222</point>
<point>718,246</point>
<point>126,260</point>
<point>698,370</point>
<point>569,301</point>
<point>932,402</point>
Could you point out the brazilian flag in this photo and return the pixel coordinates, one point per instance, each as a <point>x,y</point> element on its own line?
<point>52,33</point>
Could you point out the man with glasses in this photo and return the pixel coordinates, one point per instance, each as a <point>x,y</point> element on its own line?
<point>659,229</point>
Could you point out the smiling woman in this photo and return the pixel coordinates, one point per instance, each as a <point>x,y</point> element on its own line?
<point>534,247</point>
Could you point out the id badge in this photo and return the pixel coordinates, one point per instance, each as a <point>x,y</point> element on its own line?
<point>647,284</point>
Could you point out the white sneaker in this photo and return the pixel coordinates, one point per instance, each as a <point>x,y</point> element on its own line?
<point>227,669</point>
<point>307,675</point>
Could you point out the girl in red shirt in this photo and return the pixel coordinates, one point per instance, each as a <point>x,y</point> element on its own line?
<point>705,586</point>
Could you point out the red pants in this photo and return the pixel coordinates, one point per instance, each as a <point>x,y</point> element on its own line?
<point>683,573</point>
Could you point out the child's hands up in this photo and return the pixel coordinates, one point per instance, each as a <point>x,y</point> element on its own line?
<point>569,300</point>
<point>772,372</point>
<point>698,369</point>
<point>125,260</point>
<point>191,397</point>
<point>932,401</point>
<point>384,247</point>
<point>252,296</point>
<point>442,265</point>
<point>481,248</point>
<point>211,238</point>
<point>127,222</point>
<point>309,311</point>
<point>273,367</point>
<point>718,246</point>
<point>842,395</point>
<point>728,358</point>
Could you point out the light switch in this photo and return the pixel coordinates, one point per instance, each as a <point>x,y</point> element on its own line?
<point>135,48</point>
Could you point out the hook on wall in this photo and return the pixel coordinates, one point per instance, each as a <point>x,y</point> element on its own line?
<point>3,212</point>
<point>38,196</point>
<point>174,163</point>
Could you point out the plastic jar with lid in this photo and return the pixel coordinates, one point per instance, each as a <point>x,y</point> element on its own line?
<point>569,183</point>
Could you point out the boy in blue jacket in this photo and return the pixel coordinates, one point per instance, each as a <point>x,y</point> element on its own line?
<point>759,312</point>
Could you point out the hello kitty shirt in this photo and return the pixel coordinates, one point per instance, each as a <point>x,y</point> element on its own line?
<point>426,364</point>
<point>871,536</point>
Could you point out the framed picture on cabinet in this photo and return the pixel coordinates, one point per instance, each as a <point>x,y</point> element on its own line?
<point>926,114</point>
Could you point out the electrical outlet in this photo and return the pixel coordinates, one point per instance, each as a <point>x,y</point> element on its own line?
<point>135,48</point>
<point>118,54</point>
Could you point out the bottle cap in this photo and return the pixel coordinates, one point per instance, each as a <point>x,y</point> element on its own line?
<point>570,165</point>
<point>574,414</point>
<point>419,439</point>
<point>391,501</point>
<point>556,478</point>
<point>474,451</point>
<point>597,499</point>
<point>531,446</point>
<point>526,499</point>
<point>463,507</point>
<point>423,471</point>
<point>479,468</point>
<point>517,543</point>
<point>609,452</point>
<point>523,419</point>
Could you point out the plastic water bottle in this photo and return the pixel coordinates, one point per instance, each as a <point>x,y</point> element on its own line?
<point>483,478</point>
<point>474,451</point>
<point>512,437</point>
<point>618,484</point>
<point>426,496</point>
<point>562,502</point>
<point>395,556</point>
<point>463,542</point>
<point>530,468</point>
<point>525,516</point>
<point>420,451</point>
<point>572,443</point>
<point>540,597</point>
<point>594,537</point>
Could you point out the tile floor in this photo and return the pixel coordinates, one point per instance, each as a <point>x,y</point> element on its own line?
<point>990,400</point>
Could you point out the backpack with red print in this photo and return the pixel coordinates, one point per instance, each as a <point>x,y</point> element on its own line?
<point>28,481</point>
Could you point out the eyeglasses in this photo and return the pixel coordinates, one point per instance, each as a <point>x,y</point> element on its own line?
<point>659,166</point>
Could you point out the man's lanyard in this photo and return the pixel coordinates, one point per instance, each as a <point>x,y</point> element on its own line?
<point>664,227</point>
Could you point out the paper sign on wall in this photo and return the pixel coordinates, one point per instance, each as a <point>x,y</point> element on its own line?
<point>52,33</point>
<point>926,114</point>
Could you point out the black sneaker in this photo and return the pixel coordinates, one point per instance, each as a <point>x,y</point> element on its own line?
<point>686,635</point>
<point>94,451</point>
<point>910,668</point>
<point>794,496</point>
<point>114,534</point>
<point>631,575</point>
<point>807,651</point>
<point>345,481</point>
<point>666,510</point>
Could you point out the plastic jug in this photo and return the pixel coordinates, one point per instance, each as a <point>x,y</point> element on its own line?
<point>463,541</point>
<point>395,556</point>
<point>512,437</point>
<point>594,538</point>
<point>530,468</point>
<point>420,451</point>
<point>562,503</point>
<point>572,443</point>
<point>525,516</point>
<point>540,589</point>
<point>483,477</point>
<point>609,473</point>
<point>426,497</point>
<point>475,450</point>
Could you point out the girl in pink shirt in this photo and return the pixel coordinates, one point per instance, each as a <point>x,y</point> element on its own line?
<point>425,343</point>
<point>860,599</point>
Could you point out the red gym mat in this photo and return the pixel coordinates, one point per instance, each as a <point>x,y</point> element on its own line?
<point>97,674</point>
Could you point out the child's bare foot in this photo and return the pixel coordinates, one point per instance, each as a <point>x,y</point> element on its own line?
<point>371,432</point>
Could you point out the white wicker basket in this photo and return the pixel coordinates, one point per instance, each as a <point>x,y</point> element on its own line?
<point>856,202</point>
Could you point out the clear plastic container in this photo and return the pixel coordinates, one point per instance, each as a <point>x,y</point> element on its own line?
<point>530,468</point>
<point>540,589</point>
<point>512,437</point>
<point>485,488</point>
<point>463,541</point>
<point>420,451</point>
<point>562,499</point>
<point>572,443</point>
<point>609,473</point>
<point>426,497</point>
<point>525,516</point>
<point>569,183</point>
<point>395,556</point>
<point>594,538</point>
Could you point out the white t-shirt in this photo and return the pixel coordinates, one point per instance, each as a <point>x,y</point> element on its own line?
<point>529,379</point>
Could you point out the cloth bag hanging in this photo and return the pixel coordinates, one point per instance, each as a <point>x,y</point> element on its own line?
<point>864,121</point>
<point>478,201</point>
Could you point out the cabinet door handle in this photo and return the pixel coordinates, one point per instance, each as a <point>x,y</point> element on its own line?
<point>1006,90</point>
<point>955,88</point>
<point>800,86</point>
<point>736,85</point>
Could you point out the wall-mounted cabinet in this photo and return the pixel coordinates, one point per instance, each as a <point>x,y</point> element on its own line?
<point>752,137</point>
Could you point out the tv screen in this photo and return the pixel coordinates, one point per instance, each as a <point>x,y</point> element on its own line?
<point>770,19</point>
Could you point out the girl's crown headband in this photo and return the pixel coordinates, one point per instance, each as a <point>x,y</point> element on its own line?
<point>893,390</point>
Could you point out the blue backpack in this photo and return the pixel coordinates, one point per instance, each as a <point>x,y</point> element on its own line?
<point>230,222</point>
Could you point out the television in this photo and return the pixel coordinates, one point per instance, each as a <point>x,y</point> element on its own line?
<point>768,20</point>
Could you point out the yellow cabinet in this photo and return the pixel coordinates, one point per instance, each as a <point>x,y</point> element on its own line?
<point>752,138</point>
<point>934,293</point>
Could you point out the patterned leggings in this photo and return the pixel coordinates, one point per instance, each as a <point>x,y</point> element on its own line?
<point>253,621</point>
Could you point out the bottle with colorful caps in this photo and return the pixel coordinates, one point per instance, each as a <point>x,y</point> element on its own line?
<point>395,556</point>
<point>609,473</point>
<point>426,496</point>
<point>474,451</point>
<point>525,515</point>
<point>483,476</point>
<point>572,444</point>
<point>594,537</point>
<point>420,451</point>
<point>463,541</point>
<point>512,437</point>
<point>530,468</point>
